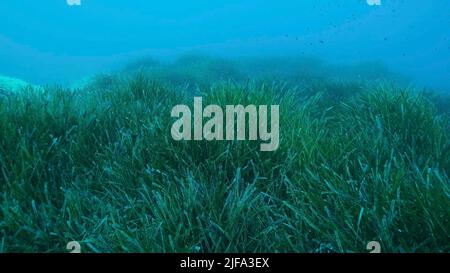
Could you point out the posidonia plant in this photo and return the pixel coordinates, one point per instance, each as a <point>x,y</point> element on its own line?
<point>98,165</point>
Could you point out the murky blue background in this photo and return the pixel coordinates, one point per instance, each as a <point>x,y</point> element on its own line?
<point>49,41</point>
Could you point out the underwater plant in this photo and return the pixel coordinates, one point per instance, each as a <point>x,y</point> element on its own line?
<point>356,162</point>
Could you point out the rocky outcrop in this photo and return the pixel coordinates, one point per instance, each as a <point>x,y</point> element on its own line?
<point>8,84</point>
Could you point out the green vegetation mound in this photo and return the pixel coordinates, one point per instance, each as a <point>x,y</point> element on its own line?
<point>357,162</point>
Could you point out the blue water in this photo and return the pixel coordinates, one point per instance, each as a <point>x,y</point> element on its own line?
<point>52,42</point>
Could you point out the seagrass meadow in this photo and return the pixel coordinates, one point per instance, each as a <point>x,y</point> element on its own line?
<point>363,156</point>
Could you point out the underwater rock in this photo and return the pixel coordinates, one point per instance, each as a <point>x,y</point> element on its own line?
<point>8,84</point>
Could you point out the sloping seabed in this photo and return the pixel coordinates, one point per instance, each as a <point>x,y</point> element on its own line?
<point>360,159</point>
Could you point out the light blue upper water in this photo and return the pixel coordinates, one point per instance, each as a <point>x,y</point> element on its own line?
<point>50,41</point>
